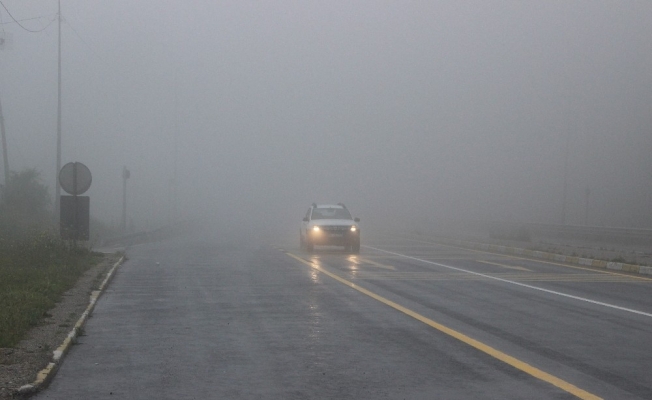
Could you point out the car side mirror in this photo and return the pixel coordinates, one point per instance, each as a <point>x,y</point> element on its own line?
<point>356,219</point>
<point>305,219</point>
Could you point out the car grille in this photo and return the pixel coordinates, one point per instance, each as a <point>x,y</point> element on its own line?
<point>336,228</point>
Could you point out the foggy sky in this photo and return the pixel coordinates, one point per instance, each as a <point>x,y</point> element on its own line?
<point>410,112</point>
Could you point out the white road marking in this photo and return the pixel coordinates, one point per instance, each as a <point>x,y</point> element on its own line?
<point>570,296</point>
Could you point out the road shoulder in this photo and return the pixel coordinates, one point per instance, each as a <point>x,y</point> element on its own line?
<point>22,365</point>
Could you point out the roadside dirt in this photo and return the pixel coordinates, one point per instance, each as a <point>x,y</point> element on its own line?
<point>19,365</point>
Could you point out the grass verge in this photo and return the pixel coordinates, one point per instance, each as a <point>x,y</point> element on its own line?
<point>35,271</point>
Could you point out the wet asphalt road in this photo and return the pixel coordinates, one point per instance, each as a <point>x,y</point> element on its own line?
<point>201,320</point>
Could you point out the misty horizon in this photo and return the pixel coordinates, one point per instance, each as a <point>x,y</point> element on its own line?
<point>409,113</point>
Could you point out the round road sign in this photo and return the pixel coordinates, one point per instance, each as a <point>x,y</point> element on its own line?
<point>75,178</point>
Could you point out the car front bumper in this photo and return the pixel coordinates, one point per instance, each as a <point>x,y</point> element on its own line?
<point>326,237</point>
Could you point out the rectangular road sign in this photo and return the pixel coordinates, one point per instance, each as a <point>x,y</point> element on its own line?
<point>75,217</point>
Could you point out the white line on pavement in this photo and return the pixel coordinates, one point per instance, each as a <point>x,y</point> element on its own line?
<point>570,296</point>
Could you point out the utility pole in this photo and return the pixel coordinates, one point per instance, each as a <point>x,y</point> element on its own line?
<point>57,200</point>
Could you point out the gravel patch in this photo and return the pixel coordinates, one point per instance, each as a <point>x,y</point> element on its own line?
<point>19,365</point>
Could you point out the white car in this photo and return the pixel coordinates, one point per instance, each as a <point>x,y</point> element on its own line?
<point>330,225</point>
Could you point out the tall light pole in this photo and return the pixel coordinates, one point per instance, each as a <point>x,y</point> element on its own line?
<point>57,200</point>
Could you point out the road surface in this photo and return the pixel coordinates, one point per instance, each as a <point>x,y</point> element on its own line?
<point>404,319</point>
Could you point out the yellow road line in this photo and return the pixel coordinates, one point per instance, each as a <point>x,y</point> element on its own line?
<point>504,265</point>
<point>514,362</point>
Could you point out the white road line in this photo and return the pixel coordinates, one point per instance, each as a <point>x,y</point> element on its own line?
<point>570,296</point>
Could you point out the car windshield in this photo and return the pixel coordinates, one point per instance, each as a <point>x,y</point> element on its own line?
<point>330,213</point>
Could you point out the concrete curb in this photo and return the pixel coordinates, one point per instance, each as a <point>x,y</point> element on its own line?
<point>44,376</point>
<point>589,262</point>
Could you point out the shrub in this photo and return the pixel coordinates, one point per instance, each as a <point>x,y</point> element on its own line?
<point>25,204</point>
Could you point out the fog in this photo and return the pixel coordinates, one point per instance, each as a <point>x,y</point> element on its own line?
<point>410,112</point>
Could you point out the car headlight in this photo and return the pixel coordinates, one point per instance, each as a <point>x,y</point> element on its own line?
<point>353,228</point>
<point>316,228</point>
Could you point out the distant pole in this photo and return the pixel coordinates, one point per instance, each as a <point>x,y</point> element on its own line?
<point>565,193</point>
<point>57,200</point>
<point>173,181</point>
<point>74,214</point>
<point>5,160</point>
<point>176,146</point>
<point>125,175</point>
<point>587,193</point>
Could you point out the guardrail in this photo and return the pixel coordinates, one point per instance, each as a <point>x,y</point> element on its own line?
<point>592,233</point>
<point>523,231</point>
